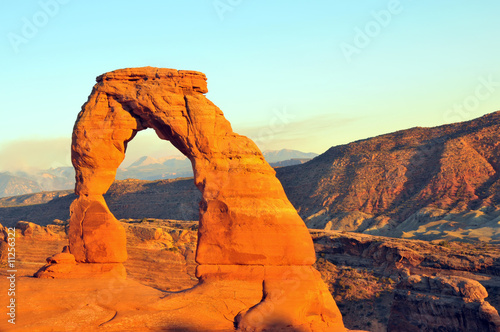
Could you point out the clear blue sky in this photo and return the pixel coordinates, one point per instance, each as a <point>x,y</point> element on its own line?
<point>338,70</point>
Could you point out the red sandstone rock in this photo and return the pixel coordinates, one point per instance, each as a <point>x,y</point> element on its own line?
<point>97,237</point>
<point>72,270</point>
<point>62,258</point>
<point>248,229</point>
<point>238,186</point>
<point>291,295</point>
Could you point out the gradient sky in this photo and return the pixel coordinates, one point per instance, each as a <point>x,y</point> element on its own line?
<point>303,75</point>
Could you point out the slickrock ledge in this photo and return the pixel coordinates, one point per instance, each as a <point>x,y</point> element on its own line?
<point>250,235</point>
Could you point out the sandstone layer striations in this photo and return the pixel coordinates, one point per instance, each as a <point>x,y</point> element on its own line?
<point>248,229</point>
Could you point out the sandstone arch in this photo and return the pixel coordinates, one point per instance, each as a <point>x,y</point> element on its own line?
<point>248,229</point>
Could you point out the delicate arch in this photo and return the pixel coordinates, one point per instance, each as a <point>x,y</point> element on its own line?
<point>250,237</point>
<point>245,216</point>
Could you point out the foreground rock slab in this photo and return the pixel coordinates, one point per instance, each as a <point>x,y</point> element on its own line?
<point>116,304</point>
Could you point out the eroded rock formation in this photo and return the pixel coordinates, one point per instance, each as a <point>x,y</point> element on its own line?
<point>248,230</point>
<point>426,303</point>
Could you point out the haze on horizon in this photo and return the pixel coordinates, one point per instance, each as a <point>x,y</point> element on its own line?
<point>288,75</point>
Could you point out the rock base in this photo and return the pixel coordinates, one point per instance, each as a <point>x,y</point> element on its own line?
<point>290,297</point>
<point>126,305</point>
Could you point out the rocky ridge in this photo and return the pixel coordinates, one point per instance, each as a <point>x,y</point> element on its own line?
<point>11,185</point>
<point>424,183</point>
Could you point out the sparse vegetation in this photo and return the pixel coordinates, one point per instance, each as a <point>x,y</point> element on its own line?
<point>444,243</point>
<point>359,284</point>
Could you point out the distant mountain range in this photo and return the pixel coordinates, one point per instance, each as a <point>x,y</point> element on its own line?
<point>277,156</point>
<point>149,168</point>
<point>423,183</point>
<point>11,185</point>
<point>144,168</point>
<point>26,182</point>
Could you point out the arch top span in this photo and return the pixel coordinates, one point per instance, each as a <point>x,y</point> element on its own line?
<point>188,80</point>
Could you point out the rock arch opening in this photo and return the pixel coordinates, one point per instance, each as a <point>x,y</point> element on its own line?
<point>149,158</point>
